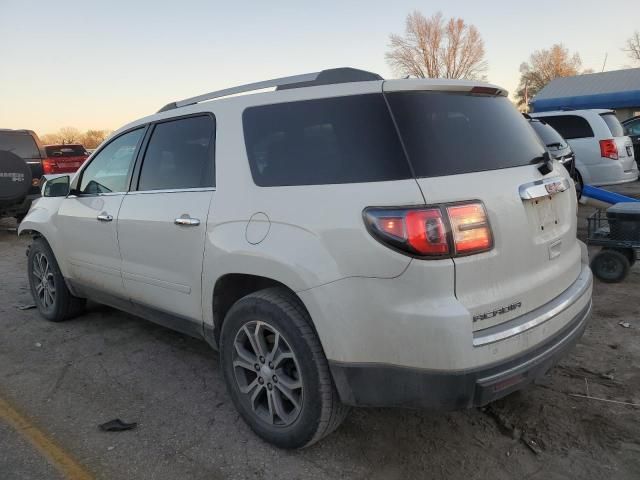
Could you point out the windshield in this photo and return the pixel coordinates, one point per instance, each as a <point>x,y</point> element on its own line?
<point>613,123</point>
<point>548,135</point>
<point>450,133</point>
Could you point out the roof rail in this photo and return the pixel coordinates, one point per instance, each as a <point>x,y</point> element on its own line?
<point>324,77</point>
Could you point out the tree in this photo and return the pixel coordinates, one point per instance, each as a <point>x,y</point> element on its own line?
<point>633,47</point>
<point>542,67</point>
<point>435,48</point>
<point>69,135</point>
<point>93,138</point>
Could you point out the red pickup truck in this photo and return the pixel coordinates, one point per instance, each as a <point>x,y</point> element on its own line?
<point>64,158</point>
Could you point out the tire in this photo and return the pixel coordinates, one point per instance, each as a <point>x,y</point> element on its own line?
<point>277,319</point>
<point>579,184</point>
<point>610,266</point>
<point>627,252</point>
<point>54,300</point>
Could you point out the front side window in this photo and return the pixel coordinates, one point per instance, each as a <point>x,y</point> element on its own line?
<point>179,155</point>
<point>570,126</point>
<point>336,140</point>
<point>109,170</point>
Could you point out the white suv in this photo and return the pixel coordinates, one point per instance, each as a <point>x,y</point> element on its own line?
<point>604,154</point>
<point>343,240</point>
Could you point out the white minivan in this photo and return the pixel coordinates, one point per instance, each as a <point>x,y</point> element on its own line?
<point>343,241</point>
<point>604,154</point>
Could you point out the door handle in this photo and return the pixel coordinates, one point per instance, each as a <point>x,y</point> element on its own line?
<point>187,221</point>
<point>105,217</point>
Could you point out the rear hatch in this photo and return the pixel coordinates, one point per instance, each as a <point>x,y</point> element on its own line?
<point>476,146</point>
<point>65,158</point>
<point>623,143</point>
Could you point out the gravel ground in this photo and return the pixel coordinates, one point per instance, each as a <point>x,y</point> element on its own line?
<point>68,378</point>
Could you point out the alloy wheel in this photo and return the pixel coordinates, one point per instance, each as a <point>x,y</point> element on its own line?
<point>44,281</point>
<point>267,374</point>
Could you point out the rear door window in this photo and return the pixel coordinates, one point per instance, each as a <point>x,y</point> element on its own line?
<point>21,144</point>
<point>613,123</point>
<point>452,133</point>
<point>336,140</point>
<point>179,155</point>
<point>570,126</point>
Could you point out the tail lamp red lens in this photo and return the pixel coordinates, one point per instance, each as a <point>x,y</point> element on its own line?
<point>49,166</point>
<point>436,232</point>
<point>609,149</point>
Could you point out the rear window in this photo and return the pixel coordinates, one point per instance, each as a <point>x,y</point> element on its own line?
<point>452,133</point>
<point>19,143</point>
<point>348,139</point>
<point>65,151</point>
<point>570,126</point>
<point>549,136</point>
<point>613,123</point>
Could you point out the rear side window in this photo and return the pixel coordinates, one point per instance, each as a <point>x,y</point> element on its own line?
<point>179,155</point>
<point>632,128</point>
<point>348,139</point>
<point>613,123</point>
<point>453,133</point>
<point>19,143</point>
<point>549,136</point>
<point>570,126</point>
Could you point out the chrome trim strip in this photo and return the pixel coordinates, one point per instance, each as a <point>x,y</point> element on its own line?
<point>543,188</point>
<point>538,316</point>
<point>579,322</point>
<point>172,190</point>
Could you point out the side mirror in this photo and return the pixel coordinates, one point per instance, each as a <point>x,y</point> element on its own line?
<point>58,186</point>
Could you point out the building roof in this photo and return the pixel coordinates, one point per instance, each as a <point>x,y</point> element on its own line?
<point>616,89</point>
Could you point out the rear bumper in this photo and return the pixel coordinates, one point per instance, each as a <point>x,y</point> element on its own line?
<point>369,384</point>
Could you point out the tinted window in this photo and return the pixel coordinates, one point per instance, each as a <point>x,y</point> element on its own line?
<point>632,128</point>
<point>110,168</point>
<point>179,155</point>
<point>613,123</point>
<point>326,141</point>
<point>452,133</point>
<point>570,126</point>
<point>65,151</point>
<point>547,134</point>
<point>19,143</point>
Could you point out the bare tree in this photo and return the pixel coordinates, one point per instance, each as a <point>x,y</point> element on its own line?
<point>93,138</point>
<point>633,47</point>
<point>435,48</point>
<point>69,135</point>
<point>542,67</point>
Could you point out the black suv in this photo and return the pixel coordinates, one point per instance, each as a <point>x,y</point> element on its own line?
<point>21,156</point>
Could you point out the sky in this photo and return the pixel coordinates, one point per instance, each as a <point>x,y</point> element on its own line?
<point>102,64</point>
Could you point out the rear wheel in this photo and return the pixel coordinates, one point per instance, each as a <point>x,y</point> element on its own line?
<point>577,178</point>
<point>610,266</point>
<point>627,252</point>
<point>276,371</point>
<point>48,288</point>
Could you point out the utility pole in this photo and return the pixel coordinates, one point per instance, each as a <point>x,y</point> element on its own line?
<point>606,54</point>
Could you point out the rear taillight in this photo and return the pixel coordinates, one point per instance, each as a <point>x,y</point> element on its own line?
<point>432,232</point>
<point>49,166</point>
<point>609,149</point>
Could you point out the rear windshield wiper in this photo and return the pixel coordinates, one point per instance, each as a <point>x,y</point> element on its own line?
<point>547,164</point>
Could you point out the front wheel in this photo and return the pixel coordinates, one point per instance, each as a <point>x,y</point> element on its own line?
<point>610,266</point>
<point>48,288</point>
<point>276,371</point>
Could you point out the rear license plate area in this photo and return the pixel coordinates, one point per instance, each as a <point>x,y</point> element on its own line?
<point>546,215</point>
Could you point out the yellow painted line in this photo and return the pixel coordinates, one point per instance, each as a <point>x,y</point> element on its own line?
<point>56,455</point>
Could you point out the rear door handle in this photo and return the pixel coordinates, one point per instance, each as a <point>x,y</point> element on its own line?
<point>187,221</point>
<point>104,217</point>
